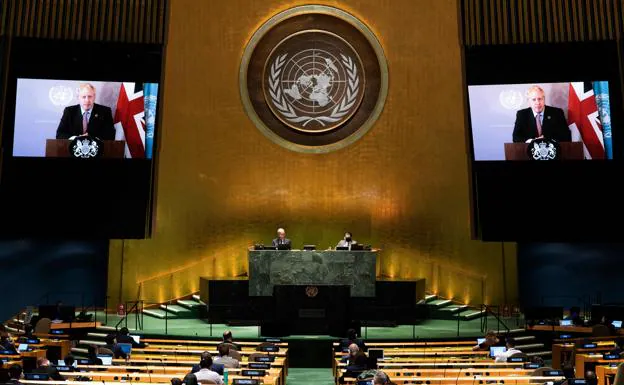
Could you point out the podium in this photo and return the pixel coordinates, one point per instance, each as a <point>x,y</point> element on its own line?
<point>59,148</point>
<point>569,151</point>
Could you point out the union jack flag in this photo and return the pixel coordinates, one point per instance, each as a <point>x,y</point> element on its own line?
<point>130,118</point>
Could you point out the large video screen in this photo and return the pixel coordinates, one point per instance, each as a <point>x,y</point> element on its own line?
<point>507,120</point>
<point>48,111</point>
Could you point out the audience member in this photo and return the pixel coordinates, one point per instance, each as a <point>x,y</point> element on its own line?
<point>205,374</point>
<point>44,367</point>
<point>214,367</point>
<point>225,359</point>
<point>511,350</point>
<point>352,339</point>
<point>229,340</point>
<point>490,340</point>
<point>15,374</point>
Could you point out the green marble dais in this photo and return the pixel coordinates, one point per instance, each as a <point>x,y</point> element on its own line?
<point>268,268</point>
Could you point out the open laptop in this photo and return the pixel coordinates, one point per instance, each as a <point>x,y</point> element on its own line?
<point>107,359</point>
<point>22,348</point>
<point>565,322</point>
<point>617,324</point>
<point>480,341</point>
<point>283,247</point>
<point>497,350</point>
<point>136,339</point>
<point>62,363</point>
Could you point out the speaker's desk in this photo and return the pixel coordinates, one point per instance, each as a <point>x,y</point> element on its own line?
<point>268,268</point>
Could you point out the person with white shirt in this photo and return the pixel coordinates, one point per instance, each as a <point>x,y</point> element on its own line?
<point>540,121</point>
<point>206,374</point>
<point>511,350</point>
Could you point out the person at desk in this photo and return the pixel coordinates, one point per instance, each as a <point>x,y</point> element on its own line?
<point>539,120</point>
<point>205,374</point>
<point>86,118</point>
<point>347,241</point>
<point>511,350</point>
<point>6,343</point>
<point>352,338</point>
<point>214,367</point>
<point>490,340</point>
<point>356,361</point>
<point>15,374</point>
<point>44,367</point>
<point>281,238</point>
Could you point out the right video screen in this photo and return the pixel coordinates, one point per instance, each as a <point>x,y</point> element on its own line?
<point>517,121</point>
<point>545,141</point>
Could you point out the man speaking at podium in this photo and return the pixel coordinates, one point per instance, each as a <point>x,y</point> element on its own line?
<point>281,239</point>
<point>86,118</point>
<point>539,120</point>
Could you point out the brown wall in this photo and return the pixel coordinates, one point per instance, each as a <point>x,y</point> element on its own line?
<point>222,186</point>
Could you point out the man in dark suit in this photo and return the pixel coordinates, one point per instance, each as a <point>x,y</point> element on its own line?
<point>540,120</point>
<point>281,238</point>
<point>86,118</point>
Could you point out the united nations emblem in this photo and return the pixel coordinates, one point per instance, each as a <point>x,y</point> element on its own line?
<point>543,149</point>
<point>511,99</point>
<point>311,291</point>
<point>313,79</point>
<point>60,95</point>
<point>85,147</point>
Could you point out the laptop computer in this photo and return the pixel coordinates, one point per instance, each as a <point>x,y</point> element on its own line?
<point>565,322</point>
<point>136,339</point>
<point>107,359</point>
<point>497,350</point>
<point>617,324</point>
<point>283,247</point>
<point>480,341</point>
<point>22,348</point>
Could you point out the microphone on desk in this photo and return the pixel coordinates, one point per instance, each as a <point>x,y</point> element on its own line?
<point>458,373</point>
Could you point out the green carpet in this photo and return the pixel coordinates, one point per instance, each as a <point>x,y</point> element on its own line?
<point>309,376</point>
<point>429,329</point>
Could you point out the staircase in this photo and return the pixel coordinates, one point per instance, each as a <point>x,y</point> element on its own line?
<point>446,309</point>
<point>181,309</point>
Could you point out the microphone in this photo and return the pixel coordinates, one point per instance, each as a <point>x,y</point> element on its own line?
<point>458,373</point>
<point>435,357</point>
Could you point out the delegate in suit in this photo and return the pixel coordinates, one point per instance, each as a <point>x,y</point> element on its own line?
<point>540,120</point>
<point>281,238</point>
<point>86,118</point>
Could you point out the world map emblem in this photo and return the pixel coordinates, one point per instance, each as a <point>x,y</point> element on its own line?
<point>313,79</point>
<point>314,89</point>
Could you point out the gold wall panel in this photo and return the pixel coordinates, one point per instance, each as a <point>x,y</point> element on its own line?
<point>223,186</point>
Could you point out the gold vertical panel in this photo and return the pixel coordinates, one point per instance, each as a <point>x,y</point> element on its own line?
<point>533,21</point>
<point>223,186</point>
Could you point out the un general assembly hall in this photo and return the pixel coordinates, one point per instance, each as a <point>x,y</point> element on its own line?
<point>329,192</point>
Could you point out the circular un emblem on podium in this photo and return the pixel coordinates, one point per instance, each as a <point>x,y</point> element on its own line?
<point>311,291</point>
<point>543,149</point>
<point>313,79</point>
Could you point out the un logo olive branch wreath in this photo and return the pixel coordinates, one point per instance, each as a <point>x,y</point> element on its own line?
<point>342,108</point>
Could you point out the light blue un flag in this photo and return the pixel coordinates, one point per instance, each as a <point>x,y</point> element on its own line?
<point>150,97</point>
<point>601,91</point>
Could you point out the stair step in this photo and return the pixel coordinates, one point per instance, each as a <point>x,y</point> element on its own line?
<point>176,309</point>
<point>158,313</point>
<point>196,298</point>
<point>454,308</point>
<point>92,342</point>
<point>517,331</point>
<point>439,303</point>
<point>430,297</point>
<point>80,350</point>
<point>472,314</point>
<point>189,303</point>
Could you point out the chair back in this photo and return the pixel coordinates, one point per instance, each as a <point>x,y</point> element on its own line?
<point>43,326</point>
